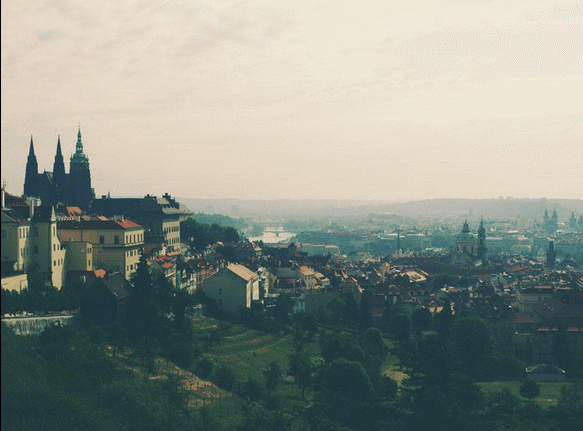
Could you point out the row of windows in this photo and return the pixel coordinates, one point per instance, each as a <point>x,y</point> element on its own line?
<point>172,229</point>
<point>26,250</point>
<point>173,240</point>
<point>129,238</point>
<point>24,232</point>
<point>132,238</point>
<point>58,262</point>
<point>132,252</point>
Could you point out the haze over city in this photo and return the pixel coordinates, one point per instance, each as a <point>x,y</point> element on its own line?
<point>330,99</point>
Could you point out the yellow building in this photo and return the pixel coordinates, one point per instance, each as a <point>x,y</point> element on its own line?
<point>233,287</point>
<point>79,255</point>
<point>116,244</point>
<point>30,241</point>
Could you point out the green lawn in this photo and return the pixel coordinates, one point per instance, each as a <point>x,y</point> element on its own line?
<point>550,392</point>
<point>248,352</point>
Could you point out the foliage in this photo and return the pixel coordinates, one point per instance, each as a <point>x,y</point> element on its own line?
<point>400,326</point>
<point>200,235</point>
<point>224,377</point>
<point>421,319</point>
<point>272,376</point>
<point>80,387</point>
<point>529,389</point>
<point>472,345</point>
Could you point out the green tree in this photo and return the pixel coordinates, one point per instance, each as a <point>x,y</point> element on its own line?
<point>472,343</point>
<point>272,377</point>
<point>347,379</point>
<point>372,342</point>
<point>284,305</point>
<point>251,389</point>
<point>529,389</point>
<point>421,319</point>
<point>365,311</point>
<point>443,321</point>
<point>400,326</point>
<point>300,368</point>
<point>351,312</point>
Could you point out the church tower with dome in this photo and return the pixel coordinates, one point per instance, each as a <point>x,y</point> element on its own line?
<point>465,241</point>
<point>468,248</point>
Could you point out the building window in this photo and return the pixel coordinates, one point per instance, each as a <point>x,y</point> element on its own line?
<point>116,239</point>
<point>88,263</point>
<point>101,239</point>
<point>36,249</point>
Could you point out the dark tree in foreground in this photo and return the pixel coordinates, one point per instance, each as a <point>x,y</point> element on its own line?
<point>529,389</point>
<point>272,377</point>
<point>300,368</point>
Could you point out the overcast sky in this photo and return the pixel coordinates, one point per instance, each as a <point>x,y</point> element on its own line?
<point>299,99</point>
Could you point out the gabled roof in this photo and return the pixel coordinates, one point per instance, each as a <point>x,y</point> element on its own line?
<point>552,308</point>
<point>116,284</point>
<point>243,272</point>
<point>305,271</point>
<point>544,369</point>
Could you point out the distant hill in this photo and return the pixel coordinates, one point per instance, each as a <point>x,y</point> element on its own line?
<point>489,208</point>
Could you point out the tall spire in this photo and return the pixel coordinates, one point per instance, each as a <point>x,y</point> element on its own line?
<point>59,177</point>
<point>59,152</point>
<point>31,149</point>
<point>79,147</point>
<point>31,173</point>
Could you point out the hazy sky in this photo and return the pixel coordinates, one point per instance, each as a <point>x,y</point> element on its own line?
<point>299,99</point>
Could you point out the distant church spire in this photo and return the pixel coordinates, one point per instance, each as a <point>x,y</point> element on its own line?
<point>79,146</point>
<point>31,149</point>
<point>482,240</point>
<point>466,228</point>
<point>59,177</point>
<point>31,174</point>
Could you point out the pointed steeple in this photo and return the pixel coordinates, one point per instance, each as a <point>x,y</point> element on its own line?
<point>59,177</point>
<point>79,146</point>
<point>482,240</point>
<point>31,149</point>
<point>31,174</point>
<point>59,152</point>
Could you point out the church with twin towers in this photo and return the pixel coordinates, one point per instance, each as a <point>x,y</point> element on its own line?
<point>73,188</point>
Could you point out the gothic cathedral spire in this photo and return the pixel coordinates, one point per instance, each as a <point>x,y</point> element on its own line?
<point>59,177</point>
<point>31,174</point>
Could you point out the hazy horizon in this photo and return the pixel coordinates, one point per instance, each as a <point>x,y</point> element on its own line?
<point>255,100</point>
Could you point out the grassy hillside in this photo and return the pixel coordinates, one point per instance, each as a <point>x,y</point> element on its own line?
<point>248,353</point>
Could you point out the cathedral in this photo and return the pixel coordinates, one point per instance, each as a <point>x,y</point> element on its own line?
<point>73,188</point>
<point>468,248</point>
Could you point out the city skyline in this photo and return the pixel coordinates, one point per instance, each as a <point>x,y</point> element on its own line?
<point>326,100</point>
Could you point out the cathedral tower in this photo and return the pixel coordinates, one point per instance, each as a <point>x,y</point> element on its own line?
<point>31,177</point>
<point>482,240</point>
<point>59,176</point>
<point>81,193</point>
